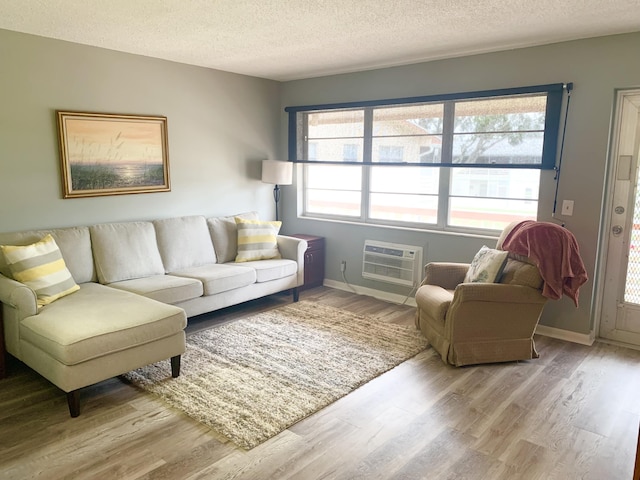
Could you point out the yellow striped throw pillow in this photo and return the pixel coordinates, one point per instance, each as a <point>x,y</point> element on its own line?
<point>257,240</point>
<point>41,267</point>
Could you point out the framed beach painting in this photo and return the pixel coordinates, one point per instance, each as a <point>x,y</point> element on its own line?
<point>110,154</point>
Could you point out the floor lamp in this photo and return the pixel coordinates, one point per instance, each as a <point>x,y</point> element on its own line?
<point>278,173</point>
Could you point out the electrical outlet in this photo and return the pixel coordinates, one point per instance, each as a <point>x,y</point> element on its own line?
<point>343,265</point>
<point>567,207</point>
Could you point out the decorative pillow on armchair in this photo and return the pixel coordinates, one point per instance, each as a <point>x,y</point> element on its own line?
<point>486,266</point>
<point>257,240</point>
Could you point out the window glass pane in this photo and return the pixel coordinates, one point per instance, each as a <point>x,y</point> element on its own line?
<point>498,148</point>
<point>423,149</point>
<point>404,207</point>
<point>408,120</point>
<point>506,114</point>
<point>333,190</point>
<point>507,130</point>
<point>492,198</point>
<point>336,123</point>
<point>520,184</point>
<point>405,180</point>
<point>404,194</point>
<point>336,150</point>
<point>489,213</point>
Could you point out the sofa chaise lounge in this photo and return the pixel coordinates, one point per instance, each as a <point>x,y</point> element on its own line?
<point>137,283</point>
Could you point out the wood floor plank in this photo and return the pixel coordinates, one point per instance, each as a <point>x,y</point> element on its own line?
<point>573,413</point>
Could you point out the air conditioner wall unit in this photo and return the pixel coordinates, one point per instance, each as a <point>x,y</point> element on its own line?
<point>392,262</point>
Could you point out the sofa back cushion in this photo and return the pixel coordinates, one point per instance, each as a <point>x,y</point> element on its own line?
<point>74,244</point>
<point>184,242</point>
<point>224,234</point>
<point>123,251</point>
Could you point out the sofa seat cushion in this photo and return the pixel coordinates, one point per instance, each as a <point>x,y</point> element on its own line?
<point>267,270</point>
<point>163,288</point>
<point>218,278</point>
<point>97,321</point>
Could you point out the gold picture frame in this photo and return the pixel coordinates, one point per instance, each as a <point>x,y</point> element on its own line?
<point>111,154</point>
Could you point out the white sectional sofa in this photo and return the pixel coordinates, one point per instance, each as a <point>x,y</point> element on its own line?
<point>139,282</point>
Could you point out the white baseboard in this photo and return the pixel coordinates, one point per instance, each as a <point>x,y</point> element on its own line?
<point>560,334</point>
<point>567,335</point>
<point>371,292</point>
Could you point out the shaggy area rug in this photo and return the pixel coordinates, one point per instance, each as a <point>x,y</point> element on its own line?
<point>253,378</point>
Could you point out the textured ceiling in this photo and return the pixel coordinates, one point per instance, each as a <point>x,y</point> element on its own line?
<point>293,39</point>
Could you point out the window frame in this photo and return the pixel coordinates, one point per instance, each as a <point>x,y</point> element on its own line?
<point>297,128</point>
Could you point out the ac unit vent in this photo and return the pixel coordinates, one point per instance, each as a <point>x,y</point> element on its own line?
<point>392,262</point>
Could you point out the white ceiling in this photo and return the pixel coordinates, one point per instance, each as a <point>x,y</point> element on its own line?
<point>294,39</point>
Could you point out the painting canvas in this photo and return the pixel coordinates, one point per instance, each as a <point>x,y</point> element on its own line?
<point>109,154</point>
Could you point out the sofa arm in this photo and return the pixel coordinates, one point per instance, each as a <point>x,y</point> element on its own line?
<point>18,296</point>
<point>445,274</point>
<point>18,302</point>
<point>293,249</point>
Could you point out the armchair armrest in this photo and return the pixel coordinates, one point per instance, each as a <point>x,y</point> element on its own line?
<point>445,274</point>
<point>497,292</point>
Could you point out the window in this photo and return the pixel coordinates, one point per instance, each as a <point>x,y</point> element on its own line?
<point>463,161</point>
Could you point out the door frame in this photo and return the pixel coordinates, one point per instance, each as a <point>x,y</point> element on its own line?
<point>606,216</point>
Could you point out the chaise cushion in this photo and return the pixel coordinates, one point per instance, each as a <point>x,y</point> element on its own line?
<point>184,242</point>
<point>220,278</point>
<point>224,234</point>
<point>163,288</point>
<point>123,251</point>
<point>97,321</point>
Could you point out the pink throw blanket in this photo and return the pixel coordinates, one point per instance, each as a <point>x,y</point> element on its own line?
<point>555,252</point>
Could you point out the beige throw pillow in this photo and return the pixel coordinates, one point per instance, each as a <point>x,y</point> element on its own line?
<point>41,267</point>
<point>257,240</point>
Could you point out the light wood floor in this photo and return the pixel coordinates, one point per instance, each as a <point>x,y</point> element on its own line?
<point>571,414</point>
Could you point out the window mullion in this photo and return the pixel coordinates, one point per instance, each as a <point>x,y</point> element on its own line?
<point>367,156</point>
<point>447,157</point>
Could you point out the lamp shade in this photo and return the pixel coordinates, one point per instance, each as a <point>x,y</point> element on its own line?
<point>277,172</point>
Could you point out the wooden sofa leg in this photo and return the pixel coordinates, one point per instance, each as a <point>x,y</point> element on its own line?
<point>73,399</point>
<point>175,366</point>
<point>296,294</point>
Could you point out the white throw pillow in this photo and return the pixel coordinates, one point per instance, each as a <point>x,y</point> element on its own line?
<point>486,266</point>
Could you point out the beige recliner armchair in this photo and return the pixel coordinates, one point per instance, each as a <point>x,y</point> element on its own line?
<point>471,323</point>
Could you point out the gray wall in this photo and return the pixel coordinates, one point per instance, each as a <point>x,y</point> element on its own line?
<point>220,126</point>
<point>596,67</point>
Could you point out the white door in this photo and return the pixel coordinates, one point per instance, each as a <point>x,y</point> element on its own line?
<point>621,292</point>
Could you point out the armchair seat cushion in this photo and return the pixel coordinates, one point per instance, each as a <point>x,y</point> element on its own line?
<point>97,321</point>
<point>435,300</point>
